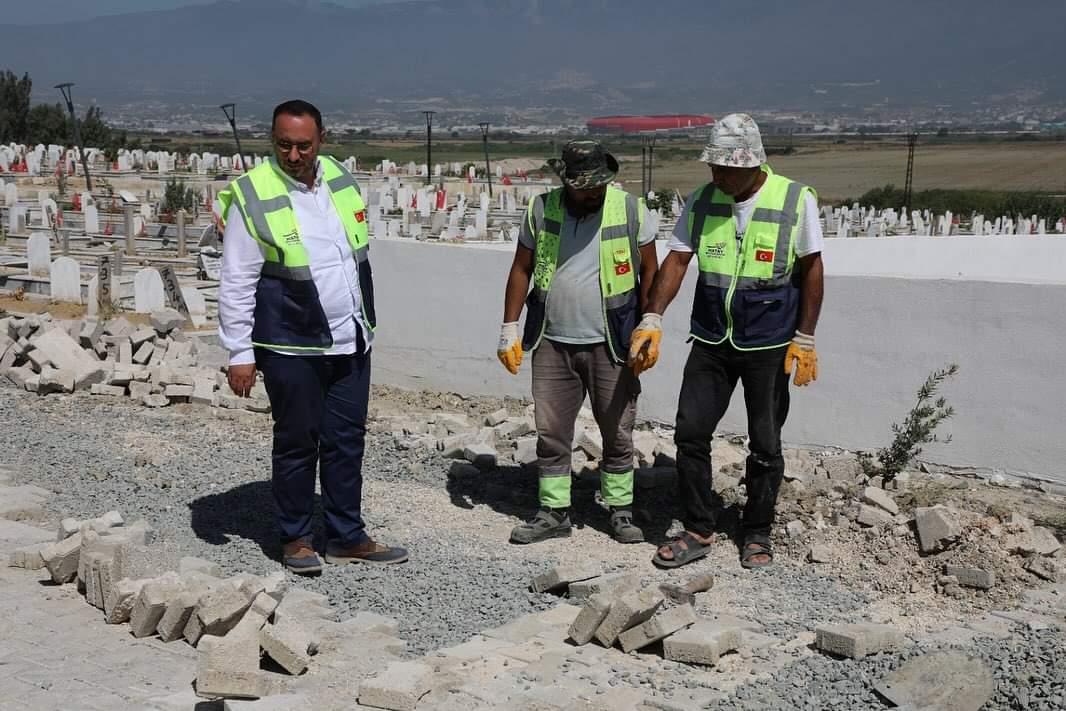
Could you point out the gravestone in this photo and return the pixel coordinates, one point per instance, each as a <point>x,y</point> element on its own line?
<point>39,254</point>
<point>196,304</point>
<point>92,306</point>
<point>11,194</point>
<point>92,220</point>
<point>105,285</point>
<point>172,290</point>
<point>148,294</point>
<point>66,280</point>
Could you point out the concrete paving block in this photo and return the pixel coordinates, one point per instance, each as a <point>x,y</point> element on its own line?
<point>178,391</point>
<point>590,618</point>
<point>871,516</point>
<point>119,603</point>
<point>495,418</point>
<point>58,348</point>
<point>702,643</point>
<point>856,641</point>
<point>92,374</point>
<point>61,559</point>
<point>152,604</point>
<point>562,575</point>
<point>228,667</point>
<point>881,499</point>
<point>111,390</point>
<point>304,605</point>
<point>613,584</point>
<point>971,577</point>
<point>398,688</point>
<point>203,392</point>
<point>55,381</point>
<point>190,564</point>
<point>626,612</point>
<point>288,643</point>
<point>141,336</point>
<point>172,624</point>
<point>663,624</point>
<point>947,681</point>
<point>937,527</point>
<point>480,454</point>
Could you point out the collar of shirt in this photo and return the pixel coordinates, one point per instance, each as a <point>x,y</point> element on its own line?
<point>296,183</point>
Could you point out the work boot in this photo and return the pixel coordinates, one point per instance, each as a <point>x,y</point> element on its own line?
<point>624,529</point>
<point>548,523</point>
<point>299,557</point>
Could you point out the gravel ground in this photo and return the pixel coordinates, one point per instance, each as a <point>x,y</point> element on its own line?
<point>201,478</point>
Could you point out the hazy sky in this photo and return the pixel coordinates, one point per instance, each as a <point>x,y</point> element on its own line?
<point>46,11</point>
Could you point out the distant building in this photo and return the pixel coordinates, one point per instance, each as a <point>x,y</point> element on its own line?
<point>638,124</point>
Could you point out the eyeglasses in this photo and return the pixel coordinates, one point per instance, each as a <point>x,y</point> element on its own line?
<point>286,146</point>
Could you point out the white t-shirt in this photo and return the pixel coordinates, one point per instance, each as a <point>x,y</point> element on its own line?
<point>809,238</point>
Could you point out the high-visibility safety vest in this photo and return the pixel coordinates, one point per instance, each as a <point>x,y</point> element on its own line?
<point>620,224</point>
<point>747,295</point>
<point>288,313</point>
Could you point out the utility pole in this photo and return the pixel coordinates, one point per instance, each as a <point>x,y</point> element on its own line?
<point>64,89</point>
<point>231,115</point>
<point>485,140</point>
<point>429,146</point>
<point>649,147</point>
<point>643,170</point>
<point>912,142</point>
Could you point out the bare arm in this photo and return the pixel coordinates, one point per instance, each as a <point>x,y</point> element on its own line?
<point>667,281</point>
<point>649,267</point>
<point>811,291</point>
<point>517,283</point>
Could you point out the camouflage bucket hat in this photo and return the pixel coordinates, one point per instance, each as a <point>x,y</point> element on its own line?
<point>585,165</point>
<point>735,142</point>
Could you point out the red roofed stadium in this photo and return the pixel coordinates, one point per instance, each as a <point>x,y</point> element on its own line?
<point>637,124</point>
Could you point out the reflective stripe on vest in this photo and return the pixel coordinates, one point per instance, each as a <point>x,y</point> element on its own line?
<point>619,265</point>
<point>761,271</point>
<point>262,198</point>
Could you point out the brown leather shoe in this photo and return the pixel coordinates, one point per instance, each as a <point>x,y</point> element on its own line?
<point>299,557</point>
<point>366,552</point>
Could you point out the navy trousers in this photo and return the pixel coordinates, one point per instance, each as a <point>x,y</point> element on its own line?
<point>319,405</point>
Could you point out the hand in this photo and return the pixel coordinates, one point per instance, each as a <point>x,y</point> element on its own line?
<point>801,351</point>
<point>509,350</point>
<point>241,379</point>
<point>644,343</point>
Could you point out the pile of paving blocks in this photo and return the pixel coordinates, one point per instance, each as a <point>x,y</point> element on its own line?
<point>155,365</point>
<point>233,622</point>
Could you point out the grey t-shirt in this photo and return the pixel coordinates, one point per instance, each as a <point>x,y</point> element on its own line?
<point>575,306</point>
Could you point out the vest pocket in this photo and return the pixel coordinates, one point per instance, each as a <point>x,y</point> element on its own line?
<point>621,321</point>
<point>708,313</point>
<point>764,316</point>
<point>535,313</point>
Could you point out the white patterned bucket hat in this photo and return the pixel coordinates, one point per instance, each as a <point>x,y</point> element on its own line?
<point>735,142</point>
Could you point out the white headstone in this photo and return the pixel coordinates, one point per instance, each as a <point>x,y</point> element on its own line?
<point>66,280</point>
<point>197,305</point>
<point>11,194</point>
<point>39,254</point>
<point>92,220</point>
<point>148,295</point>
<point>92,307</point>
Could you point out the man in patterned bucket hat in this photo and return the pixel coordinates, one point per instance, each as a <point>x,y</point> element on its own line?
<point>587,249</point>
<point>758,244</point>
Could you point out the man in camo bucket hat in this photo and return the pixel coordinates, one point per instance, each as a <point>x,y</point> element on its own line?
<point>591,247</point>
<point>758,244</point>
<point>585,165</point>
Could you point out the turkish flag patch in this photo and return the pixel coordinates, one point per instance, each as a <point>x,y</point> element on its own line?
<point>764,255</point>
<point>621,269</point>
<point>360,216</point>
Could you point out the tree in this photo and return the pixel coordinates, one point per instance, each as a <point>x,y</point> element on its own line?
<point>47,123</point>
<point>94,132</point>
<point>178,196</point>
<point>14,106</point>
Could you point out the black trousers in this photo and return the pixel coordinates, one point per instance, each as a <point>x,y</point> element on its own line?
<point>319,404</point>
<point>711,375</point>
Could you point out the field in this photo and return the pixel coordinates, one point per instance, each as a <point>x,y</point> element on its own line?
<point>836,171</point>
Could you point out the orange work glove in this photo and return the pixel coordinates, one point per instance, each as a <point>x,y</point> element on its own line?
<point>509,351</point>
<point>801,351</point>
<point>644,343</point>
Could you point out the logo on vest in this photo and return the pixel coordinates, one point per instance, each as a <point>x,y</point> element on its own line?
<point>716,251</point>
<point>291,238</point>
<point>360,216</point>
<point>621,269</point>
<point>764,255</point>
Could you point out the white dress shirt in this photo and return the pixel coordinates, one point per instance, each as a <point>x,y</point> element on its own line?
<point>332,269</point>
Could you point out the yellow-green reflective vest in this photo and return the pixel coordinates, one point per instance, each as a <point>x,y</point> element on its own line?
<point>620,224</point>
<point>288,313</point>
<point>747,296</point>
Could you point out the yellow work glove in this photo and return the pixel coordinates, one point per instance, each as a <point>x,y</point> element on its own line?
<point>801,351</point>
<point>644,343</point>
<point>509,351</point>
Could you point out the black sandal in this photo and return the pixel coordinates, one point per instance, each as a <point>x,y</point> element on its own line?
<point>694,550</point>
<point>753,546</point>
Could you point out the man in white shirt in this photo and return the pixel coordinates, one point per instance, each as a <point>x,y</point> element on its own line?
<point>758,245</point>
<point>296,303</point>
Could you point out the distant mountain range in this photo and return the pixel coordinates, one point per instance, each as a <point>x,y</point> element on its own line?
<point>596,56</point>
